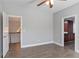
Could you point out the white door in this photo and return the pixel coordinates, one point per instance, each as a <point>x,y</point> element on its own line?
<point>5,34</point>
<point>77,34</point>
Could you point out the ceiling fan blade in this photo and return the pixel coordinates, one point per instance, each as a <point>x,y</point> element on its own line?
<point>42,3</point>
<point>50,5</point>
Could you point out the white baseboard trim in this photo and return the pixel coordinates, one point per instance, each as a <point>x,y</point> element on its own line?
<point>58,44</point>
<point>38,44</point>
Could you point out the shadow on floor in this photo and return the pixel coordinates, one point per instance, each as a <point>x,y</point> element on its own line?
<point>70,45</point>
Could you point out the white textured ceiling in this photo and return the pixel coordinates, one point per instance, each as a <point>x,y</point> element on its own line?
<point>58,5</point>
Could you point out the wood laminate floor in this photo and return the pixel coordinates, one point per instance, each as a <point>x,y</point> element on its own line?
<point>44,51</point>
<point>70,45</point>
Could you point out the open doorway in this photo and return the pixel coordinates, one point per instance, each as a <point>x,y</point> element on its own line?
<point>69,32</point>
<point>14,33</point>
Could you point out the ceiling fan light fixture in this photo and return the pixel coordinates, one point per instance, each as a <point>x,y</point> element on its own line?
<point>47,3</point>
<point>52,2</point>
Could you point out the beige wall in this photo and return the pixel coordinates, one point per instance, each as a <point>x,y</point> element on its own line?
<point>14,24</point>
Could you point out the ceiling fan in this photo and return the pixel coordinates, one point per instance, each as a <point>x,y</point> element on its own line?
<point>48,2</point>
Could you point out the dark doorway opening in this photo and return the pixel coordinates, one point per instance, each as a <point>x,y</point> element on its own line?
<point>69,33</point>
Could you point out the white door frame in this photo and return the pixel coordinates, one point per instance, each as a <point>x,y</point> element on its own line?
<point>63,28</point>
<point>21,27</point>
